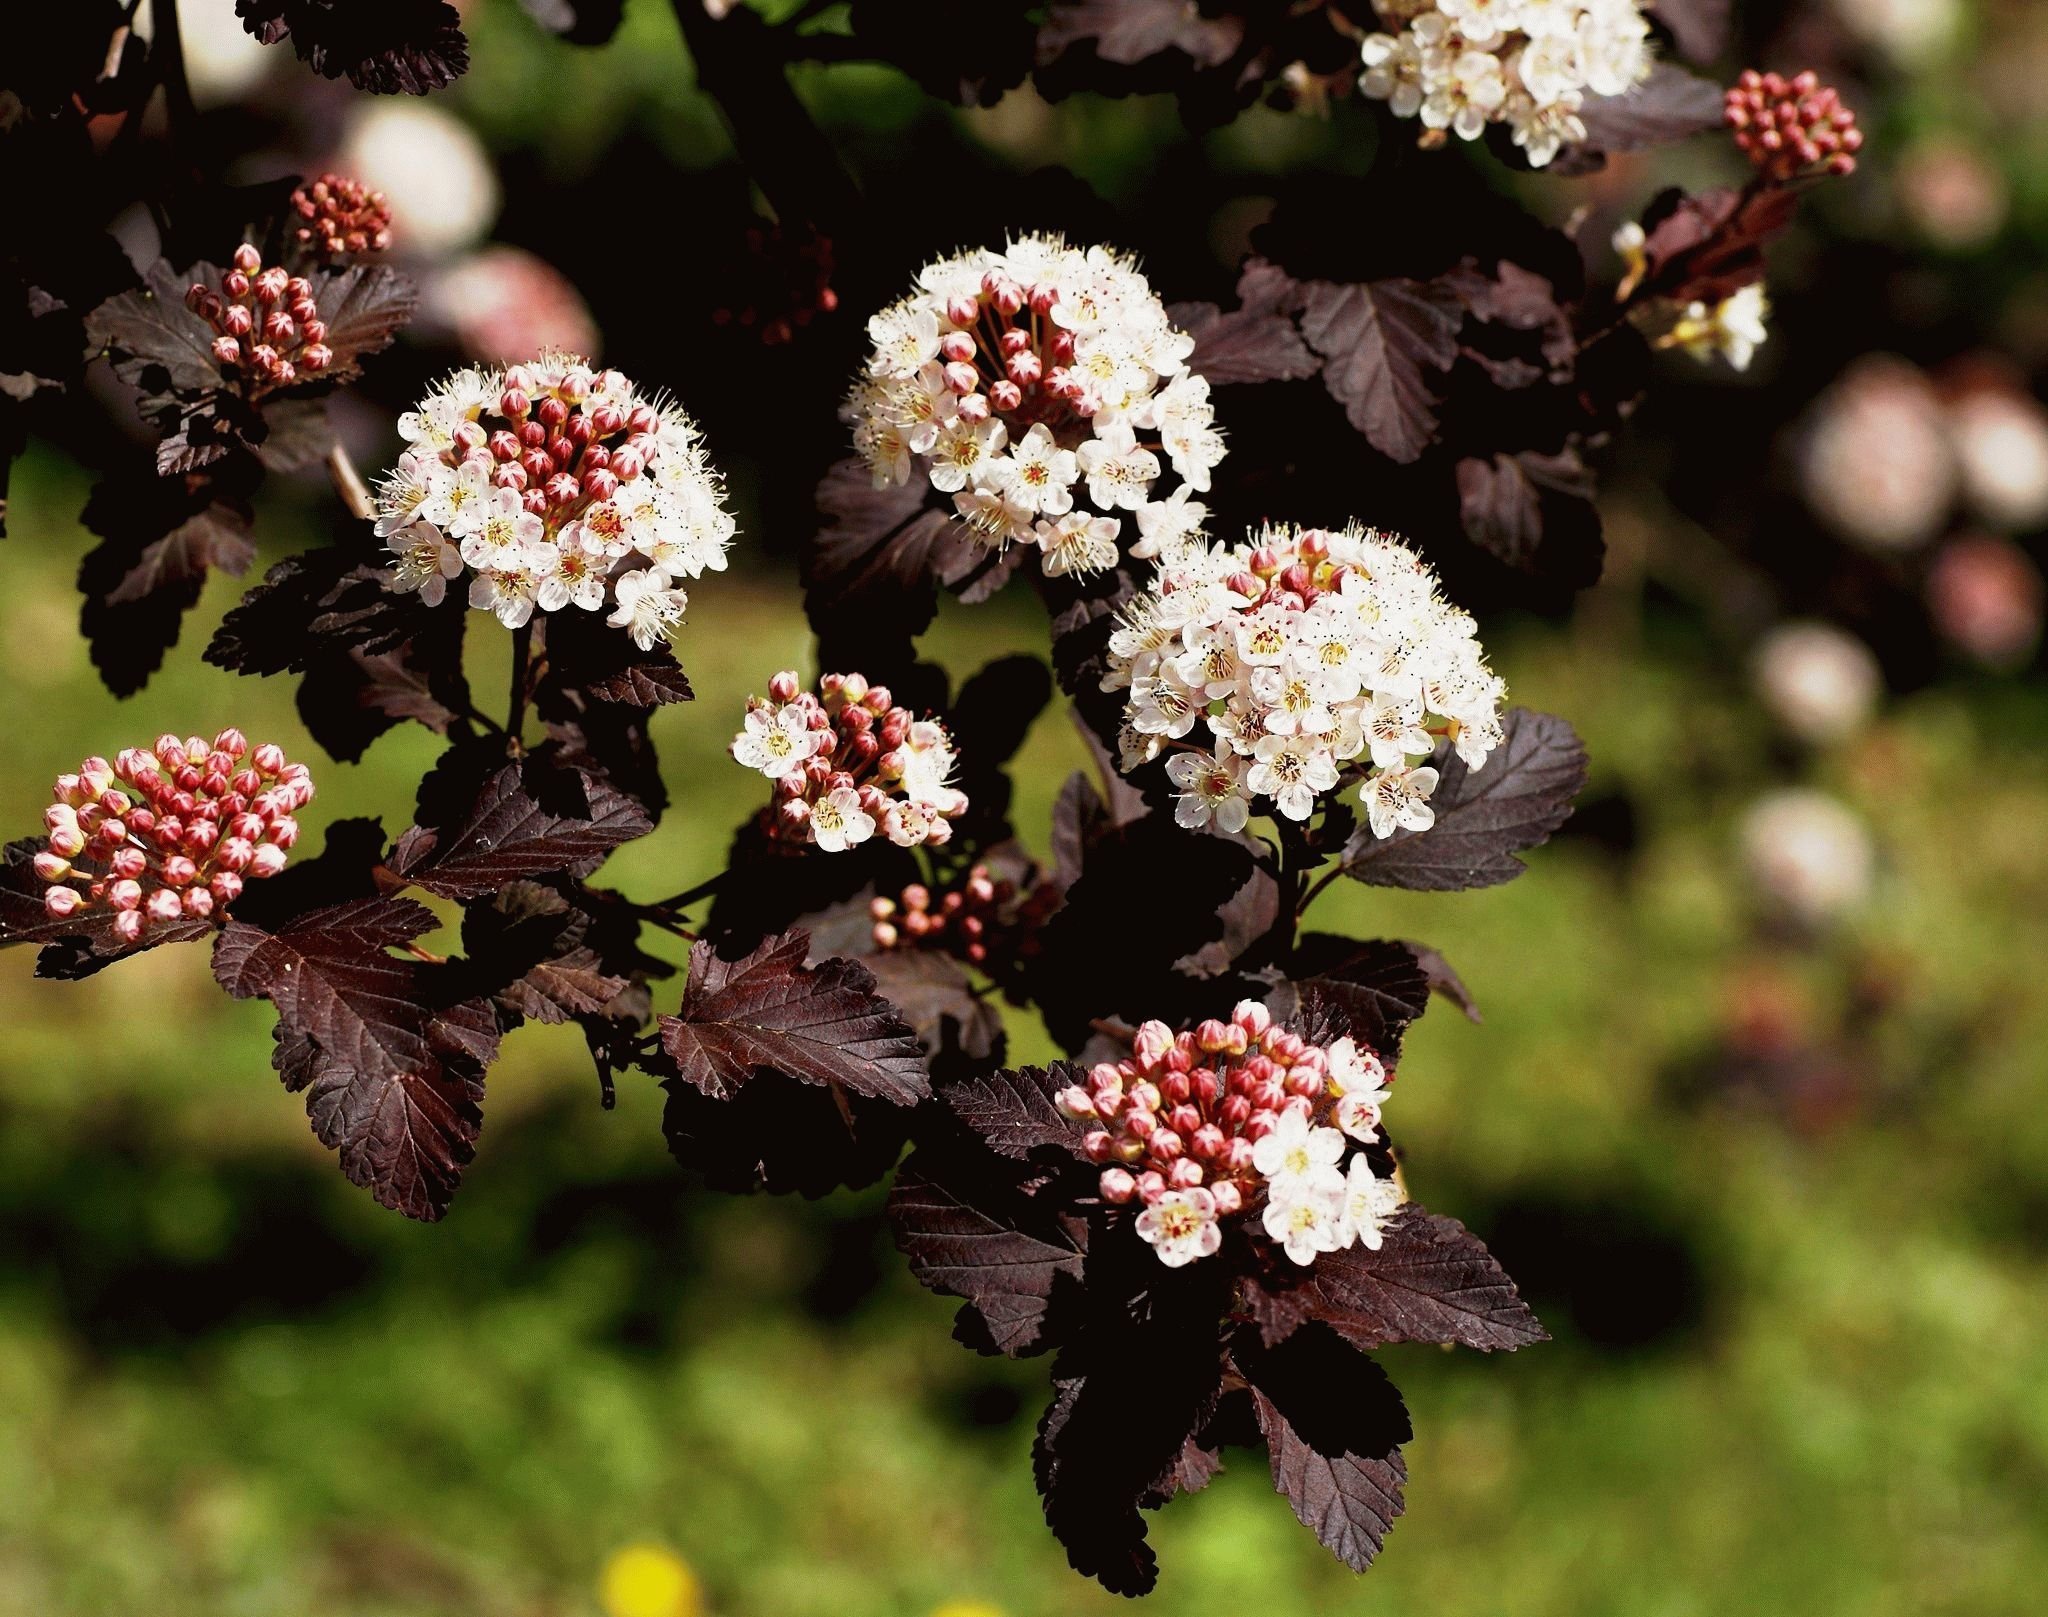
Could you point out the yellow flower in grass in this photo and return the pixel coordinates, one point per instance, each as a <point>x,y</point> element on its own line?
<point>645,1580</point>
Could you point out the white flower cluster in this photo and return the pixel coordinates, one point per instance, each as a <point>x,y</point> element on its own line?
<point>1307,656</point>
<point>1460,65</point>
<point>560,486</point>
<point>1045,390</point>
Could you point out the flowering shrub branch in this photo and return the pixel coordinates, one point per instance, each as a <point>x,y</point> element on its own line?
<point>1205,1186</point>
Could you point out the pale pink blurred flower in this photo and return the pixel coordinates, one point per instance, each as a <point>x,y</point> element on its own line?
<point>1985,596</point>
<point>505,305</point>
<point>1874,460</point>
<point>1818,681</point>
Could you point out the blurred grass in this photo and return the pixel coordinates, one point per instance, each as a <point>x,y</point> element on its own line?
<point>230,1385</point>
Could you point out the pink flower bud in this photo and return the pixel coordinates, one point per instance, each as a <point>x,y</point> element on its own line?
<point>1165,1144</point>
<point>1117,1186</point>
<point>1141,1124</point>
<point>1228,1198</point>
<point>268,758</point>
<point>59,902</point>
<point>1024,369</point>
<point>794,815</point>
<point>600,484</point>
<point>963,310</point>
<point>315,358</point>
<point>267,860</point>
<point>52,866</point>
<point>1005,396</point>
<point>180,871</point>
<point>128,864</point>
<point>784,686</point>
<point>1253,1017</point>
<point>1151,1186</point>
<point>974,407</point>
<point>1096,1145</point>
<point>60,817</point>
<point>962,378</point>
<point>227,350</point>
<point>1008,297</point>
<point>235,854</point>
<point>1185,1174</point>
<point>198,903</point>
<point>124,894</point>
<point>163,905</point>
<point>564,489</point>
<point>1259,1125</point>
<point>1237,1157</point>
<point>129,925</point>
<point>67,841</point>
<point>957,347</point>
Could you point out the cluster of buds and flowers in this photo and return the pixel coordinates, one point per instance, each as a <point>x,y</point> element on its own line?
<point>1236,1117</point>
<point>984,911</point>
<point>1788,127</point>
<point>169,833</point>
<point>1020,383</point>
<point>1734,328</point>
<point>1460,65</point>
<point>846,761</point>
<point>340,218</point>
<point>1306,654</point>
<point>561,486</point>
<point>266,324</point>
<point>788,285</point>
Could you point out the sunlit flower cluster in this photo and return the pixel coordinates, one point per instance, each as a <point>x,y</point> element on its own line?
<point>1461,65</point>
<point>1045,390</point>
<point>555,486</point>
<point>169,833</point>
<point>265,322</point>
<point>1732,329</point>
<point>1239,1117</point>
<point>340,218</point>
<point>1309,659</point>
<point>1787,127</point>
<point>848,761</point>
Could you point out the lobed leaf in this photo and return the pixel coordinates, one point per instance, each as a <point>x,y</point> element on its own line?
<point>1379,341</point>
<point>771,1012</point>
<point>1483,817</point>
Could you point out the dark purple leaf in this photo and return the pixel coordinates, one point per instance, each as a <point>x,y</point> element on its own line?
<point>531,945</point>
<point>1379,341</point>
<point>1430,1281</point>
<point>1671,104</point>
<point>1247,344</point>
<point>1370,992</point>
<point>384,46</point>
<point>1484,817</point>
<point>529,818</point>
<point>770,1012</point>
<point>1708,247</point>
<point>1444,980</point>
<point>933,995</point>
<point>364,306</point>
<point>881,553</point>
<point>392,1063</point>
<point>1005,1258</point>
<point>1131,31</point>
<point>1337,1460</point>
<point>1700,27</point>
<point>1012,1112</point>
<point>1526,508</point>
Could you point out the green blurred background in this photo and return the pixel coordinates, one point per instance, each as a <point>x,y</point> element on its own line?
<point>1774,1169</point>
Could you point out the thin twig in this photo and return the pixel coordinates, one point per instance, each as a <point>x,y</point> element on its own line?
<point>348,483</point>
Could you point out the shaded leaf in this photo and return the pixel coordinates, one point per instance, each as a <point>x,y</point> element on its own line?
<point>1671,104</point>
<point>1003,1257</point>
<point>1700,27</point>
<point>1337,1460</point>
<point>365,306</point>
<point>530,817</point>
<point>1370,992</point>
<point>1430,1281</point>
<point>1130,31</point>
<point>935,998</point>
<point>771,1012</point>
<point>881,553</point>
<point>81,943</point>
<point>1530,507</point>
<point>391,1062</point>
<point>1484,817</point>
<point>1379,341</point>
<point>1012,1112</point>
<point>384,46</point>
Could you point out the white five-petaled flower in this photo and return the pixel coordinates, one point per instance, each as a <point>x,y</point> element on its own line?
<point>776,742</point>
<point>1078,543</point>
<point>1309,1225</point>
<point>1366,1203</point>
<point>1211,791</point>
<point>1299,1159</point>
<point>425,561</point>
<point>1398,800</point>
<point>1181,1226</point>
<point>838,822</point>
<point>648,606</point>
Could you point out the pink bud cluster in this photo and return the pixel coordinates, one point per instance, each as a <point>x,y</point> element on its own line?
<point>340,217</point>
<point>789,284</point>
<point>1787,127</point>
<point>265,321</point>
<point>983,912</point>
<point>169,833</point>
<point>1186,1111</point>
<point>848,760</point>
